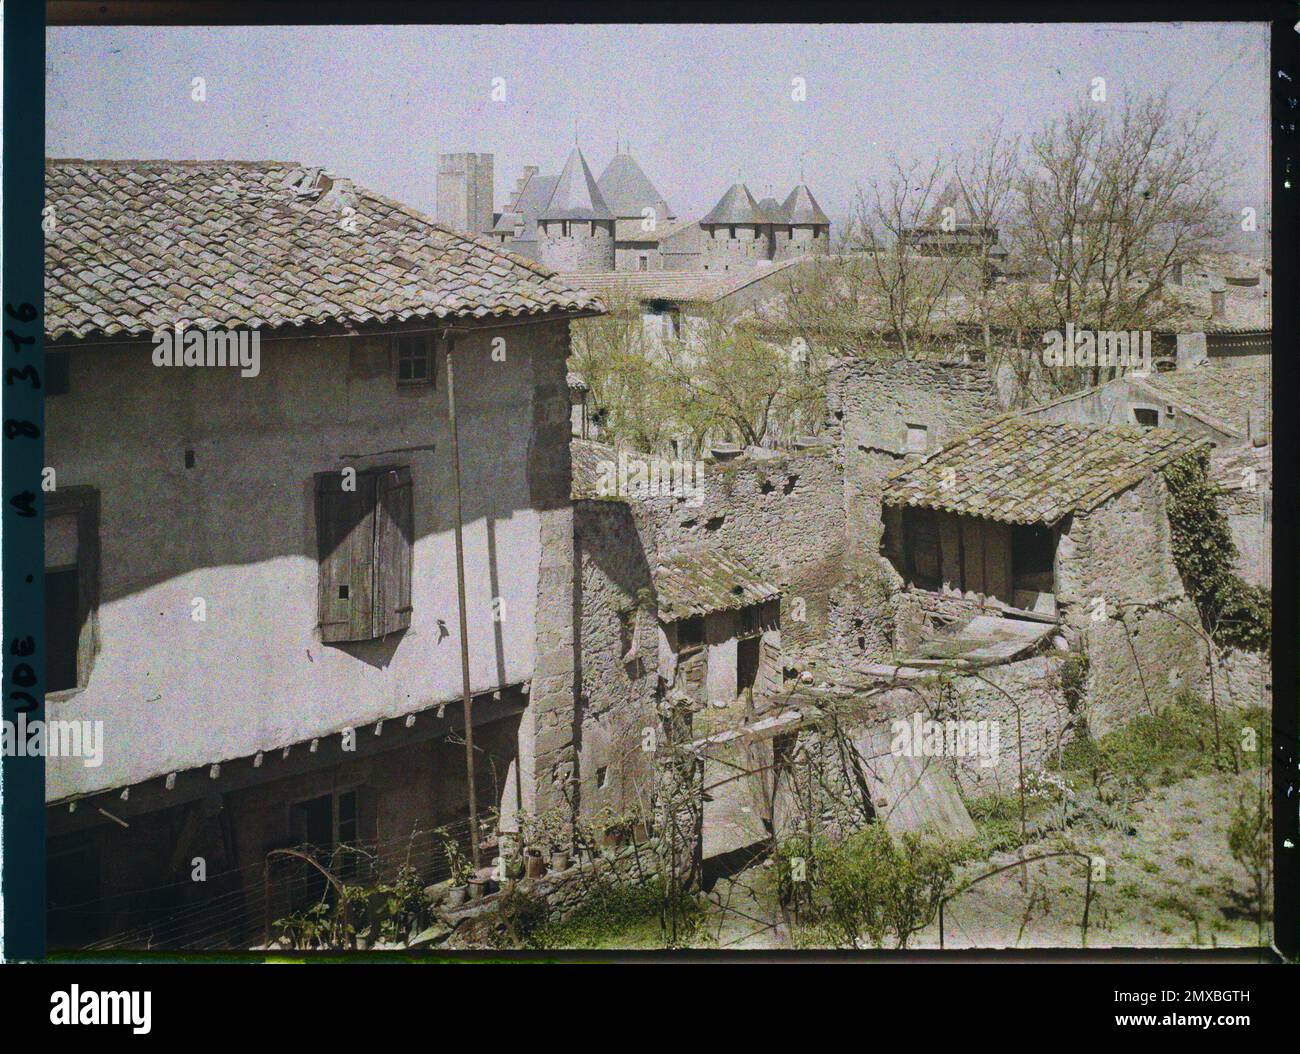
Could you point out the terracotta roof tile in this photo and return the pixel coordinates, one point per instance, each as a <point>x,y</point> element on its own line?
<point>143,245</point>
<point>704,579</point>
<point>1020,470</point>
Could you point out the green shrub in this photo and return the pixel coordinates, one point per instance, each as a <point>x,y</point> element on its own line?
<point>1236,615</point>
<point>871,886</point>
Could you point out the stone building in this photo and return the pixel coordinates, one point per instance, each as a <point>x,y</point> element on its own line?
<point>736,235</point>
<point>575,231</point>
<point>465,192</point>
<point>1050,521</point>
<point>641,215</point>
<point>1228,402</point>
<point>884,412</point>
<point>251,566</point>
<point>720,626</point>
<point>672,305</point>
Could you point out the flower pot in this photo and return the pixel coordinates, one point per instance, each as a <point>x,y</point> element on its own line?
<point>476,888</point>
<point>456,896</point>
<point>534,865</point>
<point>560,860</point>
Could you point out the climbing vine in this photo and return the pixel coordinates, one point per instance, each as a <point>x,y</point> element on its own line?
<point>1235,614</point>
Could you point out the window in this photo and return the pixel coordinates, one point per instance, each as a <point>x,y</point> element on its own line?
<point>643,263</point>
<point>690,632</point>
<point>56,372</point>
<point>364,541</point>
<point>326,823</point>
<point>71,587</point>
<point>415,360</point>
<point>1146,418</point>
<point>917,439</point>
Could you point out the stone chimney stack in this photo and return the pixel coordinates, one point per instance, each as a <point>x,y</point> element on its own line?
<point>1218,303</point>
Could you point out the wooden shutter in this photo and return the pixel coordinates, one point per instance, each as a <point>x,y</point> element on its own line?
<point>394,542</point>
<point>345,538</point>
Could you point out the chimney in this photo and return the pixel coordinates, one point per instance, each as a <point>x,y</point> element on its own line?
<point>1218,303</point>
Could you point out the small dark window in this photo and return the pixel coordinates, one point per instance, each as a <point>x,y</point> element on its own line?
<point>690,632</point>
<point>56,372</point>
<point>414,360</point>
<point>1147,418</point>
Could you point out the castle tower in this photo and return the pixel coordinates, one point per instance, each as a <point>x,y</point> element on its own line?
<point>575,231</point>
<point>737,232</point>
<point>640,214</point>
<point>810,228</point>
<point>464,192</point>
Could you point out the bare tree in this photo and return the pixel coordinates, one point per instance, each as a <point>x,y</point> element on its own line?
<point>1108,205</point>
<point>906,290</point>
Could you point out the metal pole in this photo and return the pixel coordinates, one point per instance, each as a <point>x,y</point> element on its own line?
<point>464,631</point>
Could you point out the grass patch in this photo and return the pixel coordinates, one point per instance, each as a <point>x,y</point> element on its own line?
<point>624,916</point>
<point>1179,742</point>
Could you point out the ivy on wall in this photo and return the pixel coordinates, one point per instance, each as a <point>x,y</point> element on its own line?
<point>1234,613</point>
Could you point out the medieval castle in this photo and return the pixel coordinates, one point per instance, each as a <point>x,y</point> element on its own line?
<point>574,222</point>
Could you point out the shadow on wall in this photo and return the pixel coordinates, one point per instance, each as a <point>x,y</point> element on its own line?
<point>614,695</point>
<point>205,475</point>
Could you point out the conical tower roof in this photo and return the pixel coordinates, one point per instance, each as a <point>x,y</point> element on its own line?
<point>576,195</point>
<point>801,207</point>
<point>772,208</point>
<point>627,189</point>
<point>737,205</point>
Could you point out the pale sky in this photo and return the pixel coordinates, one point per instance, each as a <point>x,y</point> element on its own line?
<point>699,104</point>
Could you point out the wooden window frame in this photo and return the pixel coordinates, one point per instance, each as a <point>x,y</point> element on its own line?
<point>83,503</point>
<point>384,521</point>
<point>430,343</point>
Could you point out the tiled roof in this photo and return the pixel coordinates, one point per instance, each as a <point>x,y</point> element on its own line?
<point>1248,310</point>
<point>627,189</point>
<point>802,207</point>
<point>1021,470</point>
<point>589,466</point>
<point>1223,395</point>
<point>144,245</point>
<point>737,205</point>
<point>704,579</point>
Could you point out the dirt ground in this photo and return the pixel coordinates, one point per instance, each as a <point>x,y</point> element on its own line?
<point>1170,882</point>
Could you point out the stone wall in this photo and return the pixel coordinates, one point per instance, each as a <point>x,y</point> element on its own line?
<point>1121,552</point>
<point>1138,664</point>
<point>615,696</point>
<point>547,733</point>
<point>588,247</point>
<point>872,402</point>
<point>782,515</point>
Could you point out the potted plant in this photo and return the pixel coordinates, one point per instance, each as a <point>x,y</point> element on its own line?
<point>555,840</point>
<point>461,869</point>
